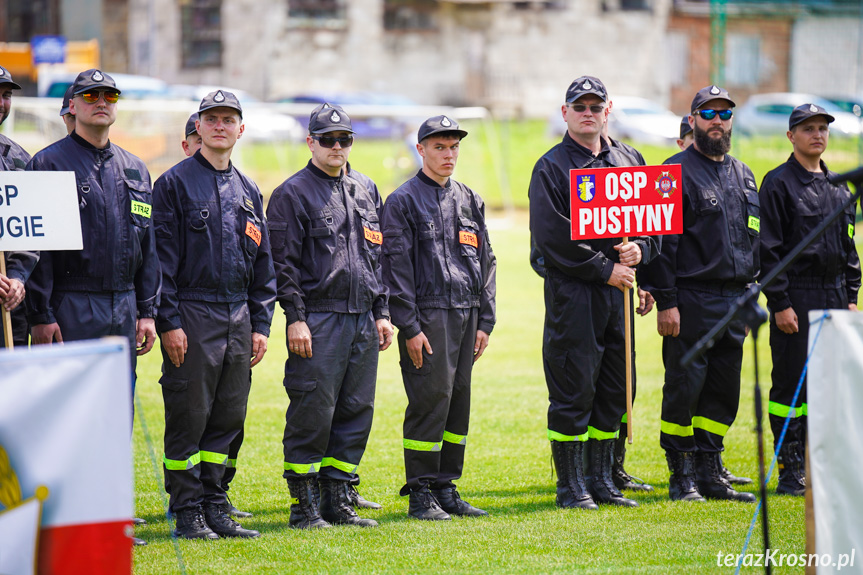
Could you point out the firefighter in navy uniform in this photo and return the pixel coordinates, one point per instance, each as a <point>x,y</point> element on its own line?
<point>326,247</point>
<point>584,358</point>
<point>695,279</point>
<point>111,286</point>
<point>18,264</point>
<point>795,198</point>
<point>218,295</point>
<point>440,270</point>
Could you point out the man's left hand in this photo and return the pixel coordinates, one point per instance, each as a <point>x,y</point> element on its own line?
<point>145,334</point>
<point>852,306</point>
<point>259,348</point>
<point>630,253</point>
<point>14,294</point>
<point>480,345</point>
<point>385,333</point>
<point>645,302</point>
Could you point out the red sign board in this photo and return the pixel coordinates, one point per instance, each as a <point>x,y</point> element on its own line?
<point>631,201</point>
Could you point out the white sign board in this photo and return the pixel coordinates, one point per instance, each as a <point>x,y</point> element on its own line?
<point>39,212</point>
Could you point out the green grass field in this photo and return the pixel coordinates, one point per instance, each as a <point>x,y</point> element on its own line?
<point>507,472</point>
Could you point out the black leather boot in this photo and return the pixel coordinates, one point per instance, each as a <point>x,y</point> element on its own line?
<point>336,507</point>
<point>792,465</point>
<point>600,455</point>
<point>219,519</point>
<point>304,503</point>
<point>358,500</point>
<point>730,477</point>
<point>191,525</point>
<point>711,484</point>
<point>622,479</point>
<point>681,484</point>
<point>423,505</point>
<point>568,457</point>
<point>451,502</point>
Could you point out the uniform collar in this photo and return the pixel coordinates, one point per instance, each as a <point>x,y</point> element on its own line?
<point>322,174</point>
<point>81,141</point>
<point>804,175</point>
<point>206,163</point>
<point>430,182</point>
<point>571,144</point>
<point>692,150</point>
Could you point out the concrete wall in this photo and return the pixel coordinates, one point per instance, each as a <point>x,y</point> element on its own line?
<point>515,61</point>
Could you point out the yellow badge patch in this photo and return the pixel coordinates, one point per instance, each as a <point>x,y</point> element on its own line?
<point>141,209</point>
<point>754,223</point>
<point>468,238</point>
<point>253,232</point>
<point>373,236</point>
<point>850,230</point>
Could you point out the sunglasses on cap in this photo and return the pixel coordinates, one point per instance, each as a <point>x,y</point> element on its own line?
<point>93,97</point>
<point>710,114</point>
<point>594,108</point>
<point>330,141</point>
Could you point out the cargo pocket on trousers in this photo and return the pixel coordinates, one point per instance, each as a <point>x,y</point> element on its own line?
<point>176,403</point>
<point>305,406</point>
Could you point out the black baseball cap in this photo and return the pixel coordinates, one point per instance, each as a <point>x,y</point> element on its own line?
<point>190,125</point>
<point>586,85</point>
<point>685,128</point>
<point>220,99</point>
<point>806,111</point>
<point>67,97</point>
<point>92,79</point>
<point>439,125</point>
<point>708,93</point>
<point>329,118</point>
<point>6,78</point>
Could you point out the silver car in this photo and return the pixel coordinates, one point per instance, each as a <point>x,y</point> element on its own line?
<point>767,115</point>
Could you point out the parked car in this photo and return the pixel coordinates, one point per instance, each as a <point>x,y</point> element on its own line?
<point>382,127</point>
<point>54,85</point>
<point>852,104</point>
<point>767,114</point>
<point>632,118</point>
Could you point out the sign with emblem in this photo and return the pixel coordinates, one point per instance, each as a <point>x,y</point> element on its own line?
<point>39,211</point>
<point>630,201</point>
<point>48,49</point>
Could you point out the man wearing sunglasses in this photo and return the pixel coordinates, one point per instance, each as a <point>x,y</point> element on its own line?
<point>584,354</point>
<point>110,287</point>
<point>440,269</point>
<point>18,264</point>
<point>695,280</point>
<point>326,248</point>
<point>795,198</point>
<point>218,296</point>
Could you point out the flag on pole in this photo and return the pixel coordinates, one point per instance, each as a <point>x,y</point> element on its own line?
<point>65,459</point>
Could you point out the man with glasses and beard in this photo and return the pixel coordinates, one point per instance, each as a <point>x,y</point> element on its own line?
<point>695,280</point>
<point>583,352</point>
<point>326,238</point>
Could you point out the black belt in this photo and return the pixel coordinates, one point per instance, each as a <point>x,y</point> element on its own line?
<point>730,289</point>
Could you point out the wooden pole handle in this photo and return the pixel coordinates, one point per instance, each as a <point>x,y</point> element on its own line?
<point>6,316</point>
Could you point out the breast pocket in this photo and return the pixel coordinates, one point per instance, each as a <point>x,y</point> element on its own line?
<point>141,203</point>
<point>322,224</point>
<point>753,212</point>
<point>706,203</point>
<point>251,230</point>
<point>373,238</point>
<point>468,237</point>
<point>426,229</point>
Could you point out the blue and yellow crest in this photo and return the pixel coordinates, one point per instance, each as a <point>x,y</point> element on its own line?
<point>586,188</point>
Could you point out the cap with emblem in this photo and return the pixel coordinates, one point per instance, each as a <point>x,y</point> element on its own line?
<point>93,79</point>
<point>6,78</point>
<point>708,93</point>
<point>685,128</point>
<point>190,126</point>
<point>586,85</point>
<point>220,99</point>
<point>439,125</point>
<point>329,118</point>
<point>67,97</point>
<point>806,111</point>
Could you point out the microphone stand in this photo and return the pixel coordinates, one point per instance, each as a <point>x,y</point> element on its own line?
<point>753,315</point>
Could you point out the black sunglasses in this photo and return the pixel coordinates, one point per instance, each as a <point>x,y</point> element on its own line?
<point>594,109</point>
<point>330,141</point>
<point>710,114</point>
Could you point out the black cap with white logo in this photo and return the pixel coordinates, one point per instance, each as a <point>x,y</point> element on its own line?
<point>708,93</point>
<point>329,118</point>
<point>6,78</point>
<point>439,125</point>
<point>67,97</point>
<point>806,111</point>
<point>586,85</point>
<point>220,99</point>
<point>685,128</point>
<point>190,125</point>
<point>93,79</point>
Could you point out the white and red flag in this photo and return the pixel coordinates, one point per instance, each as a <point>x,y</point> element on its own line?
<point>65,459</point>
